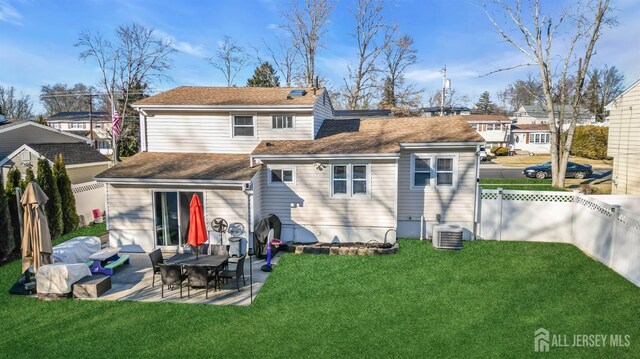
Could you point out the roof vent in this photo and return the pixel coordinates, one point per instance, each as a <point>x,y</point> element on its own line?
<point>296,93</point>
<point>269,144</point>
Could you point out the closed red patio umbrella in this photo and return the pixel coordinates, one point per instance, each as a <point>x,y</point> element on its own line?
<point>197,227</point>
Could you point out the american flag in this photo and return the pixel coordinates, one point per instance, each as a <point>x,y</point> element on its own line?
<point>116,124</point>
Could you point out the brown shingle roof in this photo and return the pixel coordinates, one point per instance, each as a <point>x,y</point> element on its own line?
<point>183,166</point>
<point>220,96</point>
<point>374,135</point>
<point>530,127</point>
<point>486,118</point>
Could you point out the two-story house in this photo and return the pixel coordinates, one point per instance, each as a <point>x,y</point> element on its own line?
<point>93,125</point>
<point>495,129</point>
<point>248,152</point>
<point>538,115</point>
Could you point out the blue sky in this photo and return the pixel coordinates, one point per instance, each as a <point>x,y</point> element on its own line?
<point>37,40</point>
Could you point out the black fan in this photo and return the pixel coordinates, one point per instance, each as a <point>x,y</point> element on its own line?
<point>219,225</point>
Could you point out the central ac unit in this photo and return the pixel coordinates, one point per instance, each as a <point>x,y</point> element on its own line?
<point>447,236</point>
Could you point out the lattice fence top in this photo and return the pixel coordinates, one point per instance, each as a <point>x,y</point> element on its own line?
<point>87,187</point>
<point>489,195</point>
<point>604,210</point>
<point>538,197</point>
<point>632,222</point>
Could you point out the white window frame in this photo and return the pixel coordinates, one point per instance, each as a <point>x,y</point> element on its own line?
<point>25,156</point>
<point>433,180</point>
<point>349,180</point>
<point>293,122</point>
<point>282,183</point>
<point>233,125</point>
<point>540,138</point>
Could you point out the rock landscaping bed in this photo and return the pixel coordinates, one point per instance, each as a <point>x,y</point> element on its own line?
<point>344,249</point>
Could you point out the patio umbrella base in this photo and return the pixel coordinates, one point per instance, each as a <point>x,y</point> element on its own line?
<point>266,268</point>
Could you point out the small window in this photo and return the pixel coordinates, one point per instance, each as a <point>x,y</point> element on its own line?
<point>339,180</point>
<point>243,126</point>
<point>281,176</point>
<point>422,171</point>
<point>25,156</point>
<point>282,122</point>
<point>444,176</point>
<point>359,180</point>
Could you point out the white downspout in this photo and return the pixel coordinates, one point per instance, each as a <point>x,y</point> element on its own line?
<point>476,197</point>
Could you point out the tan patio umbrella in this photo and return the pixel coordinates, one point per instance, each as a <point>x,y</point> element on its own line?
<point>36,241</point>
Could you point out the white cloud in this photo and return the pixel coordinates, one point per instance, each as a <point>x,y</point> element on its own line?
<point>182,46</point>
<point>9,14</point>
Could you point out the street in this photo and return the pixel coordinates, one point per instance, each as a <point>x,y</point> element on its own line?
<point>492,170</point>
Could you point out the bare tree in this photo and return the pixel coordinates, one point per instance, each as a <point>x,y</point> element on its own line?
<point>359,87</point>
<point>14,105</point>
<point>62,98</point>
<point>307,27</point>
<point>284,59</point>
<point>230,59</point>
<point>451,100</point>
<point>522,92</point>
<point>604,85</point>
<point>133,60</point>
<point>398,54</point>
<point>537,36</point>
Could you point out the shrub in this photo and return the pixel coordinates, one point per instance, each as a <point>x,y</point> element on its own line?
<point>6,230</point>
<point>500,151</point>
<point>67,199</point>
<point>28,177</point>
<point>53,206</point>
<point>13,181</point>
<point>590,142</point>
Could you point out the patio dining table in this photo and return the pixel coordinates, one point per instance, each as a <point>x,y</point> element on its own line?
<point>191,260</point>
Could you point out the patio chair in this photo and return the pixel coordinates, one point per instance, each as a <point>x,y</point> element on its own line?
<point>156,258</point>
<point>199,277</point>
<point>171,275</point>
<point>236,273</point>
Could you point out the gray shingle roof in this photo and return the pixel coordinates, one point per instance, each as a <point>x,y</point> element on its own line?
<point>78,116</point>
<point>73,153</point>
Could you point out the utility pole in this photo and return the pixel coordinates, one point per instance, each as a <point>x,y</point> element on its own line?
<point>445,84</point>
<point>93,142</point>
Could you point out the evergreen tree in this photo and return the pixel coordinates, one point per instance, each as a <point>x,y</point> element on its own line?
<point>13,181</point>
<point>53,206</point>
<point>6,230</point>
<point>264,76</point>
<point>28,177</point>
<point>485,105</point>
<point>70,218</point>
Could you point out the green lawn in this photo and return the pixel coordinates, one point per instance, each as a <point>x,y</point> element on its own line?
<point>523,184</point>
<point>484,301</point>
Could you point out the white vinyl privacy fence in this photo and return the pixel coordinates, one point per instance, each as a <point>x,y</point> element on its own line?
<point>89,196</point>
<point>609,233</point>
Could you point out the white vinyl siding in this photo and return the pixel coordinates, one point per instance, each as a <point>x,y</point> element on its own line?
<point>453,204</point>
<point>211,132</point>
<point>310,203</point>
<point>624,142</point>
<point>322,110</point>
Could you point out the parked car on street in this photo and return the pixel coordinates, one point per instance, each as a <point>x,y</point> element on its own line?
<point>543,170</point>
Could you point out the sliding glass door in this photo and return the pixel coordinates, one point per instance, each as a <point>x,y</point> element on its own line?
<point>171,210</point>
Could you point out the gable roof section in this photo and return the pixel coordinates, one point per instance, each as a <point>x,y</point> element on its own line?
<point>190,96</point>
<point>79,116</point>
<point>177,167</point>
<point>539,111</point>
<point>374,136</point>
<point>73,153</point>
<point>12,125</point>
<point>610,104</point>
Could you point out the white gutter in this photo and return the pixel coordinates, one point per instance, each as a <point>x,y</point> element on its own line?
<point>89,164</point>
<point>440,145</point>
<point>329,156</point>
<point>225,107</point>
<point>170,182</point>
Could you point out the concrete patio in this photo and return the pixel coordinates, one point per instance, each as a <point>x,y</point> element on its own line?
<point>133,282</point>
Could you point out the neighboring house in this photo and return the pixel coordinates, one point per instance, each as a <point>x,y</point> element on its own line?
<point>351,114</point>
<point>80,122</point>
<point>448,111</point>
<point>495,129</point>
<point>536,114</point>
<point>102,139</point>
<point>14,134</point>
<point>532,138</point>
<point>81,160</point>
<point>248,152</point>
<point>624,140</point>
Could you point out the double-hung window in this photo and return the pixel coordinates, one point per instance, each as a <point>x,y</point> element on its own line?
<point>280,175</point>
<point>279,122</point>
<point>350,180</point>
<point>243,126</point>
<point>433,171</point>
